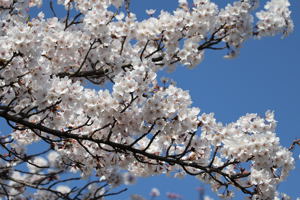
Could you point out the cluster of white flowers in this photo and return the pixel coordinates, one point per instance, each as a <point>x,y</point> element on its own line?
<point>237,21</point>
<point>275,19</point>
<point>251,138</point>
<point>44,64</point>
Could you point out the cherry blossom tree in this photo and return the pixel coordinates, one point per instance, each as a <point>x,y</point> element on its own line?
<point>91,140</point>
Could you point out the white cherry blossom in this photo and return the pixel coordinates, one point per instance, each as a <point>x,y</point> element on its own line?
<point>52,74</point>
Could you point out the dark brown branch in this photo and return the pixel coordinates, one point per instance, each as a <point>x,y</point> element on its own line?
<point>86,56</point>
<point>213,158</point>
<point>63,181</point>
<point>5,63</point>
<point>91,73</point>
<point>151,140</point>
<point>130,103</point>
<point>127,5</point>
<point>52,8</point>
<point>114,193</point>
<point>123,43</point>
<point>142,136</point>
<point>84,187</point>
<point>68,15</point>
<point>144,49</point>
<point>74,21</point>
<point>125,148</point>
<point>295,142</point>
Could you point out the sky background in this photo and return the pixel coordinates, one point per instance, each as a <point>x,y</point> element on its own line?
<point>266,75</point>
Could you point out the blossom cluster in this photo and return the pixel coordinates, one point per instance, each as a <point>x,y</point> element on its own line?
<point>275,18</point>
<point>139,125</point>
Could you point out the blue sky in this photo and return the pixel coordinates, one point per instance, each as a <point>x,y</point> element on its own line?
<point>266,75</point>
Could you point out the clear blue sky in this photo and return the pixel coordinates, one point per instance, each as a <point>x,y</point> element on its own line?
<point>266,75</point>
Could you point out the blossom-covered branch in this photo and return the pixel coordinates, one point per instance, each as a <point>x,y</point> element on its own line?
<point>139,125</point>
